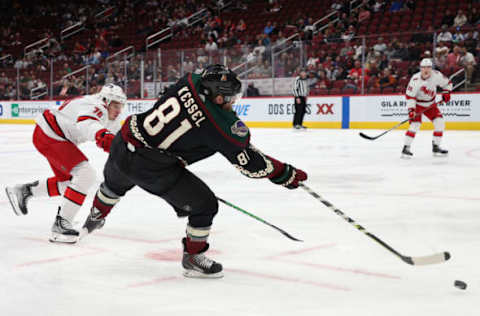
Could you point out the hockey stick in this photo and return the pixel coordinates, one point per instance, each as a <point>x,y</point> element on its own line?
<point>424,260</point>
<point>401,123</point>
<point>258,219</point>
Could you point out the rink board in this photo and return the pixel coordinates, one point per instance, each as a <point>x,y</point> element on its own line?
<point>358,112</point>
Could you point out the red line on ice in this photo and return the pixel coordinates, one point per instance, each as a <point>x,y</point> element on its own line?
<point>340,269</point>
<point>148,241</point>
<point>57,259</point>
<point>152,282</point>
<point>296,252</point>
<point>292,280</point>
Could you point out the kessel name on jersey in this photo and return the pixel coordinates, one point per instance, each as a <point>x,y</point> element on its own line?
<point>189,103</point>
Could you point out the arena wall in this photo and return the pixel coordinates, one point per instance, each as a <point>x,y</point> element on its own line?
<point>359,112</point>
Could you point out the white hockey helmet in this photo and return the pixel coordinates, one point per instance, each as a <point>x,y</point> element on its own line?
<point>111,92</point>
<point>426,62</point>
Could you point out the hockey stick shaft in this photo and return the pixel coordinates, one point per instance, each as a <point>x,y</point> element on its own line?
<point>258,219</point>
<point>436,258</point>
<point>396,126</point>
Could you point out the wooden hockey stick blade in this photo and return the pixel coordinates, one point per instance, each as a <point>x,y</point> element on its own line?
<point>426,260</point>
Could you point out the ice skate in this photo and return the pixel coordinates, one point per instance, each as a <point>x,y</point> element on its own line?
<point>19,196</point>
<point>93,222</point>
<point>406,153</point>
<point>62,231</point>
<point>439,152</point>
<point>200,266</point>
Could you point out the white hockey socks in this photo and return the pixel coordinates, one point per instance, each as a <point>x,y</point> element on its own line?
<point>83,177</point>
<point>411,132</point>
<point>438,128</point>
<point>49,187</point>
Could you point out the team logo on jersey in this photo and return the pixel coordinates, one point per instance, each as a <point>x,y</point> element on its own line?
<point>239,128</point>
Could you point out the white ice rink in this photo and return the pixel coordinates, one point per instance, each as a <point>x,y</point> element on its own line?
<point>132,267</point>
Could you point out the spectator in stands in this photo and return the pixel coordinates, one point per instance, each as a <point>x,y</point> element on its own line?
<point>386,79</point>
<point>347,50</point>
<point>444,35</point>
<point>268,28</point>
<point>252,91</point>
<point>241,26</point>
<point>349,34</point>
<point>378,6</point>
<point>211,47</point>
<point>281,41</point>
<point>321,80</point>
<point>460,20</point>
<point>410,4</point>
<point>448,19</point>
<point>3,79</point>
<point>458,36</point>
<point>467,60</point>
<point>441,53</point>
<point>474,16</point>
<point>453,59</point>
<point>259,49</point>
<point>380,47</point>
<point>397,5</point>
<point>172,74</point>
<point>3,93</point>
<point>200,68</point>
<point>339,73</point>
<point>188,65</point>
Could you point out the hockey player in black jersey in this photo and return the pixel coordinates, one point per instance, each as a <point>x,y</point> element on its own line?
<point>191,121</point>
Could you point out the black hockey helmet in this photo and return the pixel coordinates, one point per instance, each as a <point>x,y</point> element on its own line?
<point>219,80</point>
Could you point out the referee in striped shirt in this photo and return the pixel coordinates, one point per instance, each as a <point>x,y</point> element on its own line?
<point>300,91</point>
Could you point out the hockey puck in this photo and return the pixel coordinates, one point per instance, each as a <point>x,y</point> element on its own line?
<point>460,284</point>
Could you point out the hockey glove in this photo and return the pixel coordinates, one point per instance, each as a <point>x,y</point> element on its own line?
<point>411,114</point>
<point>104,139</point>
<point>290,177</point>
<point>446,96</point>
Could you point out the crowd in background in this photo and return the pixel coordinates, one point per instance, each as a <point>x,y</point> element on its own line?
<point>333,56</point>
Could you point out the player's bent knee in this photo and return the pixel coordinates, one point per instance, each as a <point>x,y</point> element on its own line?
<point>84,176</point>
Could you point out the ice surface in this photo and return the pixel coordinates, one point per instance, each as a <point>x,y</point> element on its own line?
<point>132,266</point>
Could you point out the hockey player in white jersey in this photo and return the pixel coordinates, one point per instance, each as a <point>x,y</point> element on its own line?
<point>57,134</point>
<point>421,100</point>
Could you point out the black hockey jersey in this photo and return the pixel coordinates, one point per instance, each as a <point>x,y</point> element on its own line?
<point>185,124</point>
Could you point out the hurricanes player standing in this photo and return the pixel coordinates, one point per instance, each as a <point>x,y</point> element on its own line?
<point>421,100</point>
<point>57,134</point>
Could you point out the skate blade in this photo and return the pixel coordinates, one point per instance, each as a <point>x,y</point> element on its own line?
<point>12,198</point>
<point>440,155</point>
<point>59,238</point>
<point>406,157</point>
<point>199,275</point>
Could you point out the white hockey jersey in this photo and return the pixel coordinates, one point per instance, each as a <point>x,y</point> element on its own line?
<point>77,120</point>
<point>423,92</point>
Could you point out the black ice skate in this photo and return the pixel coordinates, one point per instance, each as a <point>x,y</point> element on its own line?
<point>93,221</point>
<point>406,153</point>
<point>439,152</point>
<point>62,231</point>
<point>19,196</point>
<point>200,266</point>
